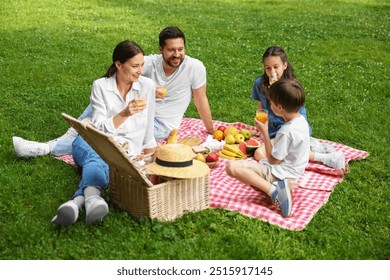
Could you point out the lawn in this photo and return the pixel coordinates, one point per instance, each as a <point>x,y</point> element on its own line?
<point>52,51</point>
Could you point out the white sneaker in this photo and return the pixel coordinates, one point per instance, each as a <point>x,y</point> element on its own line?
<point>335,160</point>
<point>67,214</point>
<point>318,147</point>
<point>96,209</point>
<point>27,149</point>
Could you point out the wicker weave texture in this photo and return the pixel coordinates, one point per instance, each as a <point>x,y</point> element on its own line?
<point>164,202</point>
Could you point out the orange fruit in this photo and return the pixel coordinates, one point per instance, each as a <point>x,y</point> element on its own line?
<point>218,134</point>
<point>230,130</point>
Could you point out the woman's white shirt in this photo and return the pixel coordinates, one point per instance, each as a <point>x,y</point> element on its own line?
<point>137,132</point>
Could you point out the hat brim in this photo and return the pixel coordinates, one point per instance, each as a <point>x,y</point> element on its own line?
<point>197,169</point>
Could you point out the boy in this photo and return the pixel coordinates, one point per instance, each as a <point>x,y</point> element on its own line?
<point>288,156</point>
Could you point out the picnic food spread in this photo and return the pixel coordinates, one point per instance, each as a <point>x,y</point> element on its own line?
<point>233,144</point>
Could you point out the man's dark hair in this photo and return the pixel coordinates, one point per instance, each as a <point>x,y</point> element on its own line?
<point>170,32</point>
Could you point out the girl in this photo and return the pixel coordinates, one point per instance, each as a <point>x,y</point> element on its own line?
<point>117,110</point>
<point>277,66</point>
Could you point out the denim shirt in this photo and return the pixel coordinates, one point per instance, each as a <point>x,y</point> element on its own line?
<point>274,121</point>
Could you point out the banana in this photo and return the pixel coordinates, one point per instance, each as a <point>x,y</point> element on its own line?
<point>234,149</point>
<point>222,155</point>
<point>228,153</point>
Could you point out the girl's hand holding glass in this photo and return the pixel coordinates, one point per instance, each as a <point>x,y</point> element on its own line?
<point>273,78</point>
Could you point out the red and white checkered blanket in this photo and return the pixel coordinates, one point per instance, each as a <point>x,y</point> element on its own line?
<point>315,185</point>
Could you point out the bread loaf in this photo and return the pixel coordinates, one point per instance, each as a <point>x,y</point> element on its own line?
<point>172,138</point>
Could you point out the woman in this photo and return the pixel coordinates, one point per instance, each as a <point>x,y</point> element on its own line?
<point>119,109</point>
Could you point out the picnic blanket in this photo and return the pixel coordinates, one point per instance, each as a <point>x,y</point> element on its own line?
<point>314,186</point>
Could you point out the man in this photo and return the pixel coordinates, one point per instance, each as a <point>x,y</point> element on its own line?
<point>183,77</point>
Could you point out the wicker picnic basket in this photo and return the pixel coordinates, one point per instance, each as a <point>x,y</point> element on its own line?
<point>130,188</point>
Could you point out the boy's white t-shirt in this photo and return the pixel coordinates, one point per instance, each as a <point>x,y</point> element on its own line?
<point>191,74</point>
<point>292,145</point>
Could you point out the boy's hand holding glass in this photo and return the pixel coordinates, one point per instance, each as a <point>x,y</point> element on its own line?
<point>261,121</point>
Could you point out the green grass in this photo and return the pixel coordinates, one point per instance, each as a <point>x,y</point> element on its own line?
<point>51,51</point>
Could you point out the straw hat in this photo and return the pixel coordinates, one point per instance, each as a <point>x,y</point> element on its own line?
<point>177,160</point>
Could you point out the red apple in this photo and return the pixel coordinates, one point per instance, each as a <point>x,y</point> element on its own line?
<point>211,157</point>
<point>221,128</point>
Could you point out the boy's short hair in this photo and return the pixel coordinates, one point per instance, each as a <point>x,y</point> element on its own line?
<point>287,93</point>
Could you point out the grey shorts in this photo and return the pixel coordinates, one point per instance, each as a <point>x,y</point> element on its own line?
<point>264,170</point>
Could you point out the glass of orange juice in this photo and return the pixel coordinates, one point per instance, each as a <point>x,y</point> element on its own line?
<point>140,98</point>
<point>161,91</point>
<point>262,115</point>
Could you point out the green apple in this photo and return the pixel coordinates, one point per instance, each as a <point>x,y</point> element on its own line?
<point>230,139</point>
<point>239,138</point>
<point>247,134</point>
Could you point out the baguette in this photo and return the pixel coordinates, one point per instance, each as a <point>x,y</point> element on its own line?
<point>172,137</point>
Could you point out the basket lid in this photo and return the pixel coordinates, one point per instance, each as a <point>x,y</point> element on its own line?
<point>106,147</point>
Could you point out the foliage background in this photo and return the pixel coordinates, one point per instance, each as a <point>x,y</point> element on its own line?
<point>51,51</point>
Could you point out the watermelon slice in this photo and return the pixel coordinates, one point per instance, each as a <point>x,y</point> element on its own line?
<point>251,146</point>
<point>242,147</point>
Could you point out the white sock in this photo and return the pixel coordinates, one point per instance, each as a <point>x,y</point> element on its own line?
<point>271,190</point>
<point>91,191</point>
<point>320,157</point>
<point>79,200</point>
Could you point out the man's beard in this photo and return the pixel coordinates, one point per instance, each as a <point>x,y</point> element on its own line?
<point>170,64</point>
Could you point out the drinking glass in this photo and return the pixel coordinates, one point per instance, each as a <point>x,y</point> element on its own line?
<point>140,98</point>
<point>161,92</point>
<point>262,115</point>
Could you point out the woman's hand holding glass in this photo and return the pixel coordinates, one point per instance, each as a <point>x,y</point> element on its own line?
<point>138,104</point>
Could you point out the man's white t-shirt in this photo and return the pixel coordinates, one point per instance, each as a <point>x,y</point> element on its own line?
<point>292,145</point>
<point>191,74</point>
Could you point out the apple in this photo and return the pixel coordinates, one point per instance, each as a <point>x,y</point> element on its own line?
<point>247,134</point>
<point>239,138</point>
<point>230,139</point>
<point>221,128</point>
<point>212,157</point>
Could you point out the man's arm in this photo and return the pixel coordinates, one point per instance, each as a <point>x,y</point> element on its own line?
<point>202,105</point>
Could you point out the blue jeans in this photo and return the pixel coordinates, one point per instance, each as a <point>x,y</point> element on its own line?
<point>95,172</point>
<point>161,132</point>
<point>64,146</point>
